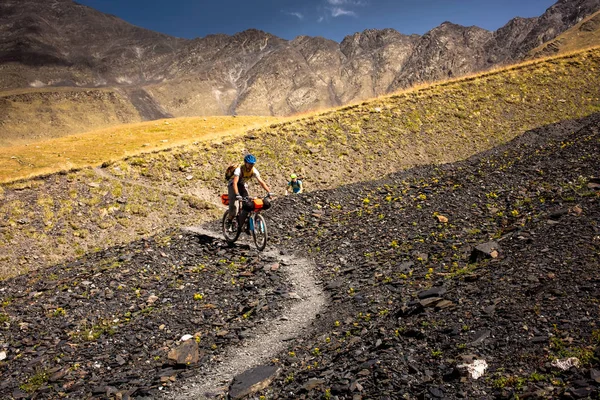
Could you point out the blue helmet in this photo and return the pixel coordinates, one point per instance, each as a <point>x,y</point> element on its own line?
<point>250,159</point>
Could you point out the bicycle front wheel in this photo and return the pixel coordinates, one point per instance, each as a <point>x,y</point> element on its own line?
<point>231,231</point>
<point>259,233</point>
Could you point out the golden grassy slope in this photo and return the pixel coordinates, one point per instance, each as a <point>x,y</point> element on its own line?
<point>94,148</point>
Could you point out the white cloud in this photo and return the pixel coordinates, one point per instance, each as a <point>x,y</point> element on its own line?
<point>338,11</point>
<point>347,2</point>
<point>329,9</point>
<point>295,14</point>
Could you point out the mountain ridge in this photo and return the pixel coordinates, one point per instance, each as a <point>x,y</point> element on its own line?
<point>251,72</point>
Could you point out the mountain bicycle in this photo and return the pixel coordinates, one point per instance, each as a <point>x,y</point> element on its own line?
<point>254,223</point>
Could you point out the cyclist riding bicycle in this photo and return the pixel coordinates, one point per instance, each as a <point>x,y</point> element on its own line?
<point>237,188</point>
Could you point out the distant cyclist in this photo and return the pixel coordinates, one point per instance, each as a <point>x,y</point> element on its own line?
<point>237,188</point>
<point>295,184</point>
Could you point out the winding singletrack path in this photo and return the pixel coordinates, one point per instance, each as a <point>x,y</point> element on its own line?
<point>267,340</point>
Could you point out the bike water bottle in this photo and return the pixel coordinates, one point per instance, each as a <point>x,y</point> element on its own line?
<point>251,223</point>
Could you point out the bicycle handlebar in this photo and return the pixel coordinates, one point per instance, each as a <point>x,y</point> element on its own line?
<point>268,196</point>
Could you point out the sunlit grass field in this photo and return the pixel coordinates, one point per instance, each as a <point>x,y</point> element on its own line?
<point>94,148</point>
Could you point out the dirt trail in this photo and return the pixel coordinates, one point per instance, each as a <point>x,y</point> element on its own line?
<point>268,339</point>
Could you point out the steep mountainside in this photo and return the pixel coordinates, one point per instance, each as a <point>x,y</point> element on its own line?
<point>557,19</point>
<point>26,115</point>
<point>444,52</point>
<point>585,34</point>
<point>310,73</point>
<point>62,43</point>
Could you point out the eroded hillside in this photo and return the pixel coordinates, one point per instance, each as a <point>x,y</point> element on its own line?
<point>61,216</point>
<point>585,34</point>
<point>65,44</point>
<point>34,115</point>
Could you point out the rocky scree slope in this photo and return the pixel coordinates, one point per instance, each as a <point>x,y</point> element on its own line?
<point>252,72</point>
<point>109,324</point>
<point>494,258</point>
<point>47,221</point>
<point>438,124</point>
<point>411,302</point>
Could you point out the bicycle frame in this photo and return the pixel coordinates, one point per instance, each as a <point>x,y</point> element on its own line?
<point>257,226</point>
<point>249,216</point>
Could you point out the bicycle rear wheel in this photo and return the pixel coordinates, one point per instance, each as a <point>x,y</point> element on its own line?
<point>259,233</point>
<point>231,232</point>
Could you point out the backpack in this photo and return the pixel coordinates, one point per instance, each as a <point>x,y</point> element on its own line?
<point>229,172</point>
<point>297,183</point>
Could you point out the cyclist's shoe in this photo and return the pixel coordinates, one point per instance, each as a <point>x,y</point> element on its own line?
<point>229,226</point>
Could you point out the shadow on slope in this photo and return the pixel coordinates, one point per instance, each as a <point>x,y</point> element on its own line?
<point>103,325</point>
<point>413,301</point>
<point>146,105</point>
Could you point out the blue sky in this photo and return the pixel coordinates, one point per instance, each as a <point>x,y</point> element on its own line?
<point>332,19</point>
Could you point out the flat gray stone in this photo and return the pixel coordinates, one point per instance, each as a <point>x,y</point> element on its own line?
<point>595,375</point>
<point>252,380</point>
<point>437,291</point>
<point>484,250</point>
<point>313,383</point>
<point>480,336</point>
<point>430,302</point>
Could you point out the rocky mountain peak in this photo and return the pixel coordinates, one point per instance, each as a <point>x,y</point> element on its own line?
<point>448,25</point>
<point>450,28</point>
<point>254,40</point>
<point>315,42</point>
<point>371,39</point>
<point>557,19</point>
<point>56,43</point>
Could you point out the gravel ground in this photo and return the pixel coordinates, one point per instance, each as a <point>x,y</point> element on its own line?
<point>492,261</point>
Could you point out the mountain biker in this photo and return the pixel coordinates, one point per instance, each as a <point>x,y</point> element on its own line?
<point>295,184</point>
<point>237,188</point>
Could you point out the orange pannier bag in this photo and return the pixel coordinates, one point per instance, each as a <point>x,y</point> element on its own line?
<point>225,199</point>
<point>258,204</point>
